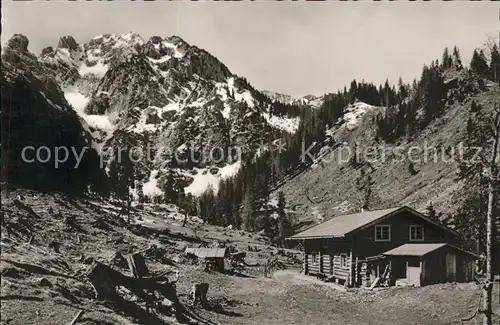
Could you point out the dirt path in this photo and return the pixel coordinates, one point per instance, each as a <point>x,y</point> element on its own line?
<point>292,299</point>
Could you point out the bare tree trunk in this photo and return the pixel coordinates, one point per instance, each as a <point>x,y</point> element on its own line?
<point>488,285</point>
<point>490,226</point>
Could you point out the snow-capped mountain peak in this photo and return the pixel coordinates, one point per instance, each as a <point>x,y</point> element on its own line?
<point>167,92</point>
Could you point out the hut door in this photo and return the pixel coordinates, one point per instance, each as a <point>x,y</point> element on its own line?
<point>451,267</point>
<point>413,272</point>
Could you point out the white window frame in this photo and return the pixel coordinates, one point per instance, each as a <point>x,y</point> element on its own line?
<point>343,257</point>
<point>314,258</point>
<point>410,232</point>
<point>382,226</point>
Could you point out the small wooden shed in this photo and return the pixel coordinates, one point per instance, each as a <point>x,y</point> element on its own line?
<point>213,255</point>
<point>426,263</point>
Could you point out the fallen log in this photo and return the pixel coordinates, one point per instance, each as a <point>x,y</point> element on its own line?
<point>105,280</point>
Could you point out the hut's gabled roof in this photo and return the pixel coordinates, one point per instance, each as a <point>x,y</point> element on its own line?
<point>345,224</point>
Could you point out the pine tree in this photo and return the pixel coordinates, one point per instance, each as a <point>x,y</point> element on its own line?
<point>446,61</point>
<point>284,225</point>
<point>401,120</point>
<point>207,204</point>
<point>403,93</point>
<point>140,192</point>
<point>478,64</point>
<point>170,189</point>
<point>249,210</point>
<point>121,175</point>
<point>470,126</point>
<point>432,213</point>
<point>495,64</point>
<point>457,60</point>
<point>473,107</point>
<point>470,218</point>
<point>353,89</point>
<point>432,92</point>
<point>113,177</point>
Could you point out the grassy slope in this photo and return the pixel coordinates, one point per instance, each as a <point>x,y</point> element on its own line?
<point>332,184</point>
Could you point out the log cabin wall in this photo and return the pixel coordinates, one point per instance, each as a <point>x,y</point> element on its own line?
<point>342,266</point>
<point>326,266</point>
<point>330,257</point>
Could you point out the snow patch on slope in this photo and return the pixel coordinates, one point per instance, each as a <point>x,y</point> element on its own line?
<point>150,188</point>
<point>63,55</point>
<point>203,179</point>
<point>287,124</point>
<point>160,60</point>
<point>313,101</point>
<point>177,54</point>
<point>99,122</point>
<point>99,69</point>
<point>142,124</point>
<point>353,113</point>
<point>245,96</point>
<point>226,112</point>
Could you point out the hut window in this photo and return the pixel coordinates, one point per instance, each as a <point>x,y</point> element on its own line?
<point>343,260</point>
<point>314,257</point>
<point>416,233</point>
<point>324,243</point>
<point>382,233</point>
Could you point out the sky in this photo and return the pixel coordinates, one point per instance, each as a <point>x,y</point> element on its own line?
<point>296,48</point>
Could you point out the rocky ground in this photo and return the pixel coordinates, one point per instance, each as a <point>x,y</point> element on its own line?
<point>49,243</point>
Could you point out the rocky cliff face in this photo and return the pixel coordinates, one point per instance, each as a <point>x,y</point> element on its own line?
<point>161,92</point>
<point>35,114</point>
